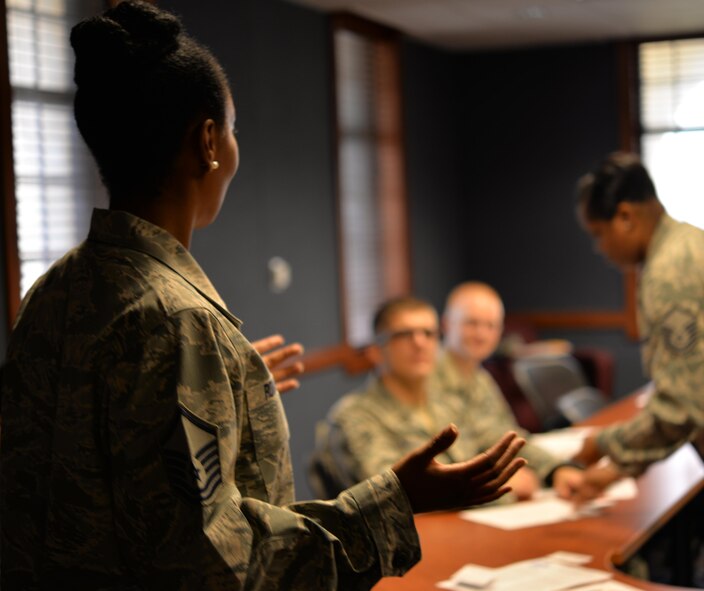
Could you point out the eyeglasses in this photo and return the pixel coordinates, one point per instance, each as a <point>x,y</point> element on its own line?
<point>408,334</point>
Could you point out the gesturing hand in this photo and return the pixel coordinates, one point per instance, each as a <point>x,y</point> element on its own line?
<point>432,486</point>
<point>596,480</point>
<point>283,376</point>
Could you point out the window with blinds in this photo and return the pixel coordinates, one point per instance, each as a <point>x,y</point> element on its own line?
<point>56,182</point>
<point>672,120</point>
<point>372,200</point>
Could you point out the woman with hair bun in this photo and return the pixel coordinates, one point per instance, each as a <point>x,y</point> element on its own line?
<point>144,444</point>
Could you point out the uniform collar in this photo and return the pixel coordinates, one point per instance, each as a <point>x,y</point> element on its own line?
<point>448,373</point>
<point>119,228</point>
<point>376,389</point>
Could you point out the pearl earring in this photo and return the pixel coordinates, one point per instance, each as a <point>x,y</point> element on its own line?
<point>214,165</point>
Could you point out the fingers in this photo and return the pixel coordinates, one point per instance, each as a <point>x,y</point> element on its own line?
<point>492,497</point>
<point>487,487</point>
<point>283,376</point>
<point>486,474</point>
<point>268,343</point>
<point>284,373</point>
<point>507,473</point>
<point>287,385</point>
<point>274,359</point>
<point>567,480</point>
<point>507,443</point>
<point>496,458</point>
<point>596,480</point>
<point>437,444</point>
<point>431,485</point>
<point>585,493</point>
<point>279,356</point>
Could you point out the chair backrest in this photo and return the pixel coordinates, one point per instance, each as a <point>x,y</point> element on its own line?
<point>329,472</point>
<point>556,387</point>
<point>581,403</point>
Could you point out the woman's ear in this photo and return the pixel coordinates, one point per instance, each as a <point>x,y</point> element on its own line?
<point>207,144</point>
<point>625,215</point>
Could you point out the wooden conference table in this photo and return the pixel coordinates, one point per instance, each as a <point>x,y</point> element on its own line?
<point>449,542</point>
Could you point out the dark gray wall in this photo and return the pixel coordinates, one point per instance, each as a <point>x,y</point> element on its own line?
<point>433,94</point>
<point>537,120</point>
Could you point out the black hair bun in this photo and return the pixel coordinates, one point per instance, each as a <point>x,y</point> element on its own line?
<point>127,37</point>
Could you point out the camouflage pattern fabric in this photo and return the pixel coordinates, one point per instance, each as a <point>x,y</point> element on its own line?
<point>368,431</point>
<point>144,444</point>
<point>671,324</point>
<point>488,415</point>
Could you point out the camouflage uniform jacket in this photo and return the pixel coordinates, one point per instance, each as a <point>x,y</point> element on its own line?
<point>671,324</point>
<point>368,431</point>
<point>487,414</point>
<point>145,445</point>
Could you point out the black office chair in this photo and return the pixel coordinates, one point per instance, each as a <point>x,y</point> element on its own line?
<point>328,472</point>
<point>557,389</point>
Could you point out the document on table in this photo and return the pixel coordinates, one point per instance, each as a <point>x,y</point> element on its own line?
<point>547,508</point>
<point>564,444</point>
<point>539,574</point>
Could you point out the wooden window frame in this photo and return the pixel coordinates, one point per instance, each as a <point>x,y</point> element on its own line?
<point>7,178</point>
<point>391,188</point>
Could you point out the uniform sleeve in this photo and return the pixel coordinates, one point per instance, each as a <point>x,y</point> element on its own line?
<point>358,444</point>
<point>190,512</point>
<point>674,354</point>
<point>490,417</point>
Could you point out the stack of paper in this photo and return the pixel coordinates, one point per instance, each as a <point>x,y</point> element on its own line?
<point>540,574</point>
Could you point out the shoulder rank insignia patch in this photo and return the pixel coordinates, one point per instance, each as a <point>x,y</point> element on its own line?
<point>205,454</point>
<point>679,329</point>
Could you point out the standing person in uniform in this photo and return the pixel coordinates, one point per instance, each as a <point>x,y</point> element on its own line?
<point>144,444</point>
<point>619,208</point>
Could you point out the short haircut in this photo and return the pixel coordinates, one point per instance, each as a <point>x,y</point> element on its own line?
<point>620,177</point>
<point>470,286</point>
<point>391,307</point>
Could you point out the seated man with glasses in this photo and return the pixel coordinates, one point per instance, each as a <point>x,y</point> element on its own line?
<point>398,409</point>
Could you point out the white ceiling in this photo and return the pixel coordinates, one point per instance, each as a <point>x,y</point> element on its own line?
<point>488,24</point>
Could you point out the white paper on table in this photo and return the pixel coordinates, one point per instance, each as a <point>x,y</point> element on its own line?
<point>472,576</point>
<point>622,490</point>
<point>546,508</point>
<point>523,514</point>
<point>574,558</point>
<point>537,575</point>
<point>564,444</point>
